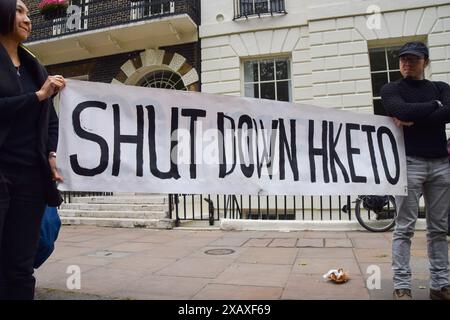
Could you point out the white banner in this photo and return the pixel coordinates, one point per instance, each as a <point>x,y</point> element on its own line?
<point>130,139</point>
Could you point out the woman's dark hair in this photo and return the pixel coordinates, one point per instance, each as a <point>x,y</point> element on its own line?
<point>7,16</point>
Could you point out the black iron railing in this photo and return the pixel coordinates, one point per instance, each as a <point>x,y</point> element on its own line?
<point>98,14</point>
<point>198,207</point>
<point>246,8</point>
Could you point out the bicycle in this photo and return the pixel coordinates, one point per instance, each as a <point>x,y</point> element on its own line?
<point>375,213</point>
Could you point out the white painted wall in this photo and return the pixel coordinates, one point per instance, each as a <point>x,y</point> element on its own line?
<point>328,44</point>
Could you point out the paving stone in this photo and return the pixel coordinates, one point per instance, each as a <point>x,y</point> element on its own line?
<point>314,287</point>
<point>124,235</point>
<point>158,239</point>
<point>161,288</point>
<point>55,294</point>
<point>105,280</point>
<point>86,260</point>
<point>215,252</point>
<point>324,234</point>
<point>374,255</point>
<point>191,242</point>
<point>195,267</point>
<point>385,269</point>
<point>283,243</point>
<point>265,265</point>
<point>168,252</point>
<point>258,242</point>
<point>419,253</point>
<point>80,238</point>
<point>64,251</point>
<point>310,243</point>
<point>284,234</point>
<point>102,242</point>
<point>419,290</point>
<point>109,254</point>
<point>131,246</point>
<point>420,265</point>
<point>54,274</point>
<point>364,235</point>
<point>229,242</point>
<point>419,244</point>
<point>326,253</point>
<point>142,264</point>
<point>371,243</point>
<point>323,265</point>
<point>237,292</point>
<point>269,255</point>
<point>338,243</point>
<point>268,275</point>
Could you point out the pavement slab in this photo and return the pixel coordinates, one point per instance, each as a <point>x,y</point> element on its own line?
<point>269,255</point>
<point>224,265</point>
<point>238,292</point>
<point>307,287</point>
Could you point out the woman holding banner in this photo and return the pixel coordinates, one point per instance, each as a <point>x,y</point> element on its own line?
<point>28,140</point>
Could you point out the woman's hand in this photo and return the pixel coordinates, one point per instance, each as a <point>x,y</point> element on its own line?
<point>52,85</point>
<point>400,123</point>
<point>55,174</point>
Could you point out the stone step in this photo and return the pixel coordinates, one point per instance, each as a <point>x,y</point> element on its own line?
<point>121,200</point>
<point>114,207</point>
<point>119,223</point>
<point>113,214</point>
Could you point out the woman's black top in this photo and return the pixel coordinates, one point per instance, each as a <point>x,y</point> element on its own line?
<point>20,147</point>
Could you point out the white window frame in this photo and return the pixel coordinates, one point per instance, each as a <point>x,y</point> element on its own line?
<point>275,81</point>
<point>254,2</point>
<point>137,12</point>
<point>388,70</point>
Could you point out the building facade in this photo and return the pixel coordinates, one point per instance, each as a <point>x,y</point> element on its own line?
<point>320,52</point>
<point>150,43</point>
<point>334,54</point>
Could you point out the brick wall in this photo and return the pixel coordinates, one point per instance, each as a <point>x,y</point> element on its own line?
<point>104,69</point>
<point>104,13</point>
<point>190,51</point>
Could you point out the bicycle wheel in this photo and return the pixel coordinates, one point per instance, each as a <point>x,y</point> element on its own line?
<point>376,221</point>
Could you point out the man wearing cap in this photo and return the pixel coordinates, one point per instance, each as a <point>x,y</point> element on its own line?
<point>422,108</point>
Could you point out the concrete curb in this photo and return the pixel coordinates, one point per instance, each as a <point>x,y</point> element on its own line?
<point>294,225</point>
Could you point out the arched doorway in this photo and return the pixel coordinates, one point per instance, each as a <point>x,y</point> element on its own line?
<point>162,79</point>
<point>159,69</point>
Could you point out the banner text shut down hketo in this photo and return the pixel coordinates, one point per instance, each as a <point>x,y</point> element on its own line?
<point>129,139</point>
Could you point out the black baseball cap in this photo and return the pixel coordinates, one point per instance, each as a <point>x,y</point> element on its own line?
<point>416,48</point>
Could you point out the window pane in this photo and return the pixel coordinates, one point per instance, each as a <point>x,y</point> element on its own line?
<point>246,6</point>
<point>283,91</point>
<point>395,75</point>
<point>276,5</point>
<point>252,90</point>
<point>282,67</point>
<point>268,91</point>
<point>261,6</point>
<point>378,108</point>
<point>378,81</point>
<point>267,72</point>
<point>377,59</point>
<point>393,58</point>
<point>251,71</point>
